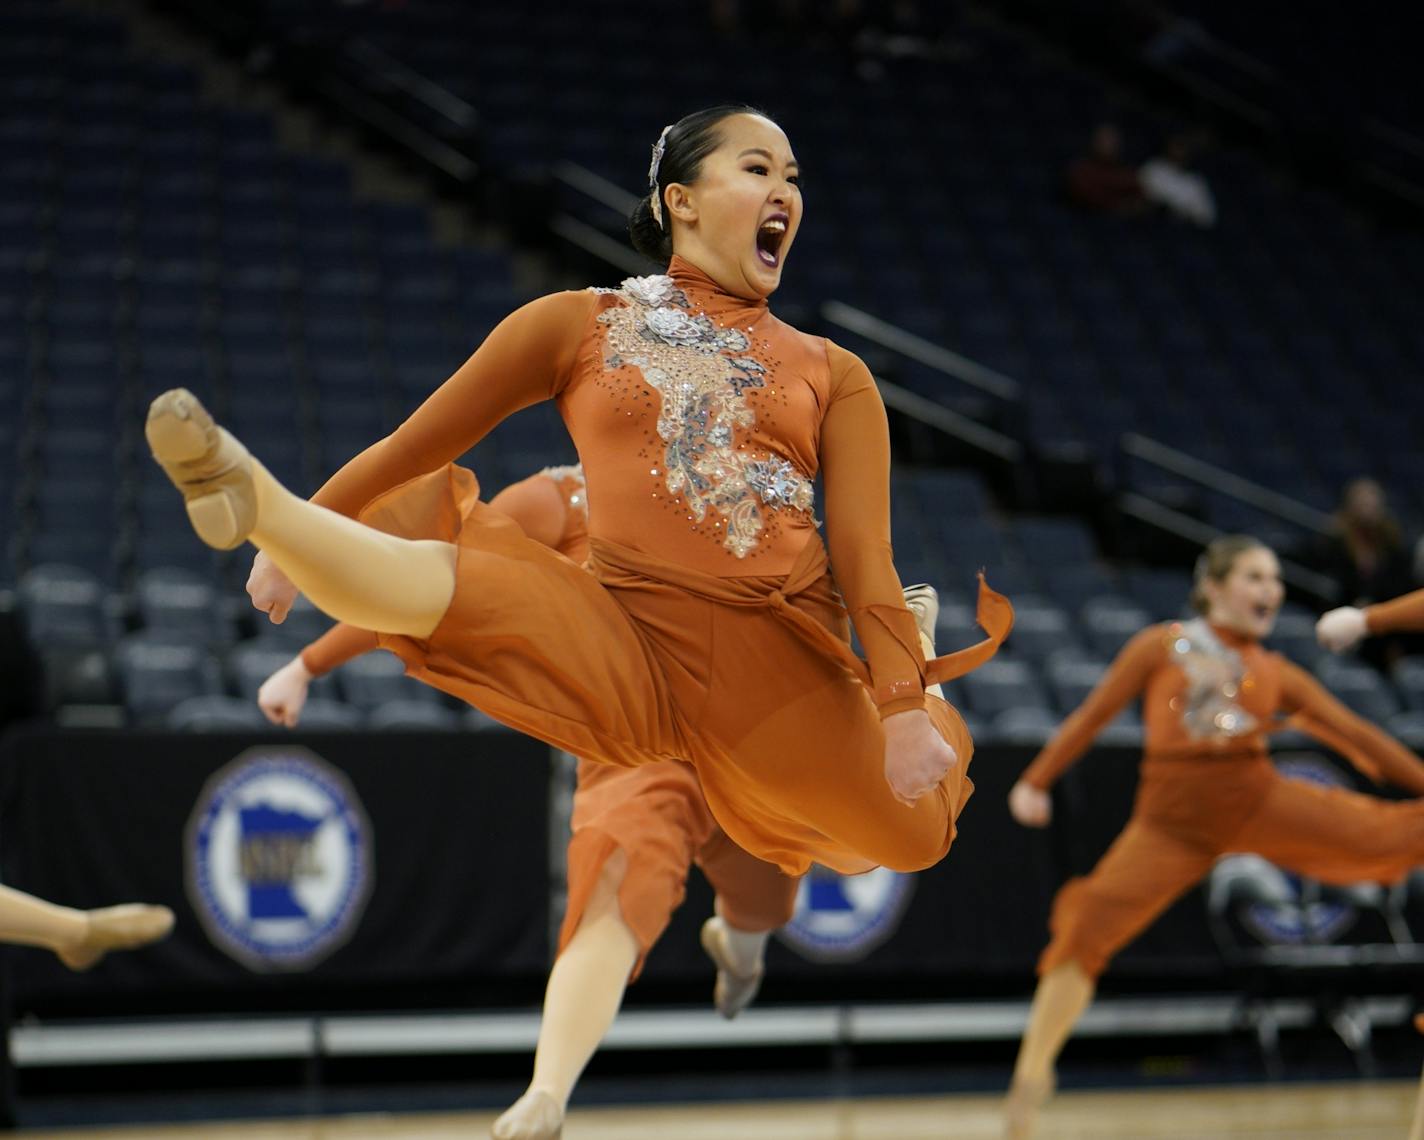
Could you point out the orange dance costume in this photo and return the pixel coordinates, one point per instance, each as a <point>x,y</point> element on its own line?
<point>655,813</point>
<point>710,629</point>
<point>1404,614</point>
<point>1207,785</point>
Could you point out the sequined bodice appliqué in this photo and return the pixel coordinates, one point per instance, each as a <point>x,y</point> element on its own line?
<point>1215,676</point>
<point>702,373</point>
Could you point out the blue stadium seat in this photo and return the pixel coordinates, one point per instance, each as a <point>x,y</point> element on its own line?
<point>62,605</point>
<point>156,673</point>
<point>408,715</point>
<point>1359,687</point>
<point>217,713</point>
<point>251,662</point>
<point>1002,684</point>
<point>326,715</point>
<point>377,678</point>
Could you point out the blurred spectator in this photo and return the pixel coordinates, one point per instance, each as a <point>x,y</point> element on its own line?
<point>1101,180</point>
<point>1168,181</point>
<point>1367,555</point>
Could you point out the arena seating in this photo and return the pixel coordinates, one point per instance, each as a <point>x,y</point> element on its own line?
<point>151,237</point>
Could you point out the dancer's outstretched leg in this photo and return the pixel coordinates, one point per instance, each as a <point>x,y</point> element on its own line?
<point>585,990</point>
<point>79,937</point>
<point>352,572</point>
<point>1062,995</point>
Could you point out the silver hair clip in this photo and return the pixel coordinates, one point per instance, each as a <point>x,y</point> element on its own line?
<point>655,199</point>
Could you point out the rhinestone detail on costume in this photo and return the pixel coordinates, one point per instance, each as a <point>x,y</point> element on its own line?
<point>1215,676</point>
<point>570,480</point>
<point>702,373</point>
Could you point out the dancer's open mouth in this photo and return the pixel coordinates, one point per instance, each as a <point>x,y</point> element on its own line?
<point>770,235</point>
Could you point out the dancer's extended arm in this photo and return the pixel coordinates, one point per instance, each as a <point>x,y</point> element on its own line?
<point>1397,615</point>
<point>1343,628</point>
<point>1123,681</point>
<point>526,359</point>
<point>855,465</point>
<point>1370,749</point>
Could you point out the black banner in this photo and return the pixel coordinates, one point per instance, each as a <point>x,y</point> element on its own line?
<point>306,870</point>
<point>348,871</point>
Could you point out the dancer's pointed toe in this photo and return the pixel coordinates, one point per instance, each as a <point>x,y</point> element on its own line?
<point>125,927</point>
<point>211,469</point>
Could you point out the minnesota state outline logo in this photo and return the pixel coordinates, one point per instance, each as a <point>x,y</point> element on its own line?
<point>842,918</point>
<point>278,859</point>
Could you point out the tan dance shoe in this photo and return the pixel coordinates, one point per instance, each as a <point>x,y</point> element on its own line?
<point>534,1116</point>
<point>116,928</point>
<point>205,463</point>
<point>733,991</point>
<point>923,602</point>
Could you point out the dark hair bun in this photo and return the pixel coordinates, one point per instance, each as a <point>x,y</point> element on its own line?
<point>647,236</point>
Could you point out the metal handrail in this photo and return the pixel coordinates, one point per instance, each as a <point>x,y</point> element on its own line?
<point>595,186</point>
<point>592,240</point>
<point>950,422</point>
<point>1194,530</point>
<point>920,350</point>
<point>439,99</point>
<point>1219,479</point>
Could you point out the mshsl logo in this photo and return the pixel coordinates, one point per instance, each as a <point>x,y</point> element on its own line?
<point>842,918</point>
<point>279,859</point>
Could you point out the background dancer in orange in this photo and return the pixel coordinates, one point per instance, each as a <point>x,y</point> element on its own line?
<point>636,832</point>
<point>1210,694</point>
<point>79,938</point>
<point>710,629</point>
<point>1347,626</point>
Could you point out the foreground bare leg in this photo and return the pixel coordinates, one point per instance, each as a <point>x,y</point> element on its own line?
<point>583,996</point>
<point>1062,996</point>
<point>352,572</point>
<point>79,937</point>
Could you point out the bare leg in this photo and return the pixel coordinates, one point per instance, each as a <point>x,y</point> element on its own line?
<point>1062,996</point>
<point>583,996</point>
<point>352,572</point>
<point>79,937</point>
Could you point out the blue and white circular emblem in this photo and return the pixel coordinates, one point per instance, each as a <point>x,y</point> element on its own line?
<point>279,858</point>
<point>842,918</point>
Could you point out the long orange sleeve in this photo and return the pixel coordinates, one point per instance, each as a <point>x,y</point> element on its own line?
<point>527,358</point>
<point>1125,679</point>
<point>335,647</point>
<point>1399,614</point>
<point>1357,739</point>
<point>855,465</point>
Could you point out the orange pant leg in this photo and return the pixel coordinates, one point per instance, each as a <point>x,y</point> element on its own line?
<point>656,814</point>
<point>1140,876</point>
<point>1335,835</point>
<point>752,895</point>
